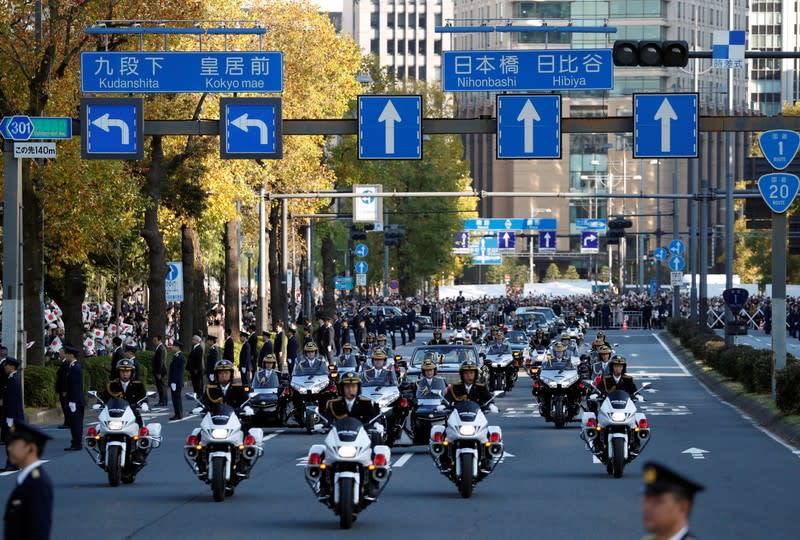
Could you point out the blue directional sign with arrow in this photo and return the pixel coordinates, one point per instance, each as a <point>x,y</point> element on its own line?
<point>112,128</point>
<point>676,263</point>
<point>361,250</point>
<point>653,285</point>
<point>461,242</point>
<point>677,247</point>
<point>590,242</point>
<point>665,125</point>
<point>390,127</point>
<point>361,267</point>
<point>528,126</point>
<point>250,128</point>
<point>547,240</point>
<point>506,240</point>
<point>660,253</point>
<point>778,190</point>
<point>590,224</point>
<point>779,146</point>
<point>735,298</point>
<point>509,224</point>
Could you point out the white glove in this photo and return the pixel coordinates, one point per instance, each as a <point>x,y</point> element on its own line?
<point>319,428</point>
<point>639,398</point>
<point>97,407</point>
<point>9,422</point>
<point>72,406</point>
<point>379,428</point>
<point>493,408</point>
<point>145,407</point>
<point>197,410</point>
<point>173,386</point>
<point>248,411</point>
<point>211,378</point>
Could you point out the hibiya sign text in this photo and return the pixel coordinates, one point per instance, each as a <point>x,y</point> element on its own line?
<point>569,69</point>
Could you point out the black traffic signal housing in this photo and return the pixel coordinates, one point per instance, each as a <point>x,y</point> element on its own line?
<point>358,234</point>
<point>650,53</point>
<point>616,228</point>
<point>393,235</point>
<point>612,241</point>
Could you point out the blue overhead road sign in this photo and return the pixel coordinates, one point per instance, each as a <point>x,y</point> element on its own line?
<point>590,242</point>
<point>250,128</point>
<point>778,190</point>
<point>390,127</point>
<point>677,247</point>
<point>506,240</point>
<point>779,146</point>
<point>547,240</point>
<point>590,224</point>
<point>676,263</point>
<point>665,125</point>
<point>541,224</point>
<point>528,126</point>
<point>509,224</point>
<point>660,253</point>
<point>176,72</point>
<point>112,128</point>
<point>526,70</point>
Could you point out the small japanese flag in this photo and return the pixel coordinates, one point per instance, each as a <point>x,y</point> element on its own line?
<point>56,309</point>
<point>98,333</point>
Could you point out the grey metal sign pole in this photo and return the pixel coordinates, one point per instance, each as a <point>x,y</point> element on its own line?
<point>13,335</point>
<point>261,316</point>
<point>702,263</point>
<point>676,290</point>
<point>285,261</point>
<point>778,294</point>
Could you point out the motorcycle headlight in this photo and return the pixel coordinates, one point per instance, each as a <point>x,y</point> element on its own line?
<point>618,416</point>
<point>115,425</point>
<point>467,431</point>
<point>347,451</point>
<point>219,433</point>
<point>495,364</point>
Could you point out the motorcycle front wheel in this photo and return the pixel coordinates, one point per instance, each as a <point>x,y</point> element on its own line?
<point>618,461</point>
<point>499,382</point>
<point>465,482</point>
<point>218,478</point>
<point>559,414</point>
<point>114,469</point>
<point>346,503</point>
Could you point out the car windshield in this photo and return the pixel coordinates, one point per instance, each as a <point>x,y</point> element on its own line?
<point>516,336</point>
<point>547,312</point>
<point>444,356</point>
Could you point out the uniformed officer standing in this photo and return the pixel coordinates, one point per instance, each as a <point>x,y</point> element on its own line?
<point>212,356</point>
<point>195,365</point>
<point>61,386</point>
<point>13,409</point>
<point>667,503</point>
<point>159,367</point>
<point>227,349</point>
<point>176,379</point>
<point>29,511</point>
<point>246,367</point>
<point>74,398</point>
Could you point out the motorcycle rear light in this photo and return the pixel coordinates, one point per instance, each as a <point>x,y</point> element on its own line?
<point>644,424</point>
<point>403,403</point>
<point>581,385</point>
<point>143,431</point>
<point>597,381</point>
<point>192,440</point>
<point>494,437</point>
<point>287,391</point>
<point>438,437</point>
<point>91,431</point>
<point>249,440</point>
<point>591,423</point>
<point>314,459</point>
<point>332,389</point>
<point>380,460</point>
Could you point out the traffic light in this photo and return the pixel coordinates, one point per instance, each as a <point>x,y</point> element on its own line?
<point>650,53</point>
<point>357,234</point>
<point>617,226</point>
<point>393,235</point>
<point>612,241</point>
<point>615,233</point>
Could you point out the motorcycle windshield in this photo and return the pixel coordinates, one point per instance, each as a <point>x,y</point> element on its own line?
<point>618,399</point>
<point>347,429</point>
<point>306,369</point>
<point>116,407</point>
<point>467,410</point>
<point>220,414</point>
<point>436,388</point>
<point>556,365</point>
<point>265,380</point>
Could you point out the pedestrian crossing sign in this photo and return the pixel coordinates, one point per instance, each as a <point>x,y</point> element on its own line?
<point>727,49</point>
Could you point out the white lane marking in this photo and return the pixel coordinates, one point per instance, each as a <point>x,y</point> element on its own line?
<point>697,453</point>
<point>185,418</point>
<point>302,461</point>
<point>273,435</point>
<point>763,430</point>
<point>402,460</point>
<point>674,358</point>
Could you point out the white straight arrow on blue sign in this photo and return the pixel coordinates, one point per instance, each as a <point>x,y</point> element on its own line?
<point>665,114</point>
<point>547,240</point>
<point>676,263</point>
<point>527,116</point>
<point>388,117</point>
<point>656,117</point>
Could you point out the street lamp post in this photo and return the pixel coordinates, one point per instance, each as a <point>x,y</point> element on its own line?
<point>531,266</point>
<point>657,163</point>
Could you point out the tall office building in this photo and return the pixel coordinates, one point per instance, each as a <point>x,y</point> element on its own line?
<point>400,33</point>
<point>600,162</point>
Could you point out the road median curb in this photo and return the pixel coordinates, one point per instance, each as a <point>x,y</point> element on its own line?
<point>766,418</point>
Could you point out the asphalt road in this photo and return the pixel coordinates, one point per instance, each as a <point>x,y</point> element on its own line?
<point>547,487</point>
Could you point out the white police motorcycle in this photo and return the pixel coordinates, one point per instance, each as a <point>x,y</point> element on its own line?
<point>618,433</point>
<point>219,452</point>
<point>117,443</point>
<point>346,472</point>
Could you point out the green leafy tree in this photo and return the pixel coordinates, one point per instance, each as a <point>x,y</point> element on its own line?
<point>571,273</point>
<point>552,273</point>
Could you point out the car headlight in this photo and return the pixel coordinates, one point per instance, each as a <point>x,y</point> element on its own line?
<point>115,425</point>
<point>219,433</point>
<point>618,416</point>
<point>467,431</point>
<point>347,451</point>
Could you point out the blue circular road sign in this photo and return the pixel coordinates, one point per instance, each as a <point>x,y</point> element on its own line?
<point>660,254</point>
<point>361,250</point>
<point>676,263</point>
<point>677,247</point>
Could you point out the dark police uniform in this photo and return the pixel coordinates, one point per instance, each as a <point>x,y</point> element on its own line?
<point>245,362</point>
<point>235,395</point>
<point>61,389</point>
<point>625,384</point>
<point>195,367</point>
<point>75,396</point>
<point>440,341</point>
<point>135,392</point>
<point>211,359</point>
<point>159,368</point>
<point>363,409</point>
<point>660,479</point>
<point>29,509</point>
<point>176,377</point>
<point>477,393</point>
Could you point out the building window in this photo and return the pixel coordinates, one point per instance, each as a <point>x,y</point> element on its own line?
<point>421,73</point>
<point>422,46</point>
<point>543,10</point>
<point>374,46</point>
<point>401,46</point>
<point>390,47</point>
<point>625,9</point>
<point>437,19</point>
<point>390,20</point>
<point>374,19</point>
<point>401,20</point>
<point>437,46</point>
<point>542,37</point>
